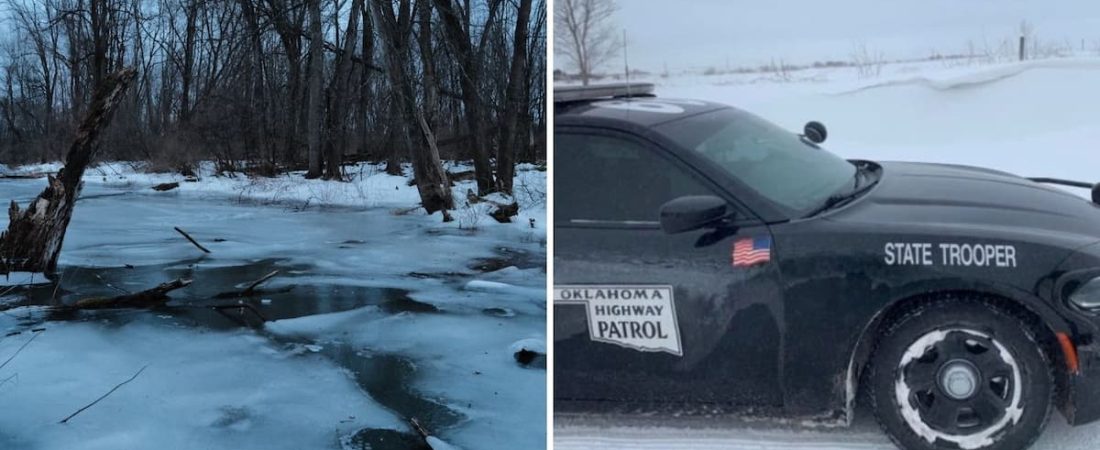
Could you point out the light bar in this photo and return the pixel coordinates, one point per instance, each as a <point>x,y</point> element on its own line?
<point>575,93</point>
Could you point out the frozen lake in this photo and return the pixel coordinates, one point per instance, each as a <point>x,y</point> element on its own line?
<point>375,318</point>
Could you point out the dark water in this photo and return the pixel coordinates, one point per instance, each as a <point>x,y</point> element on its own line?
<point>388,378</point>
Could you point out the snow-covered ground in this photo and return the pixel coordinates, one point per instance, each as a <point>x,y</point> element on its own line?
<point>1036,118</point>
<point>391,315</point>
<point>587,433</point>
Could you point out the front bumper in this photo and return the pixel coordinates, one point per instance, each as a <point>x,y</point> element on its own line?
<point>1083,389</point>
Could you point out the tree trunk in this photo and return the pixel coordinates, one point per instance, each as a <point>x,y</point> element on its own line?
<point>338,97</point>
<point>517,81</point>
<point>187,71</point>
<point>365,86</point>
<point>459,39</point>
<point>33,240</point>
<point>431,180</point>
<point>316,71</point>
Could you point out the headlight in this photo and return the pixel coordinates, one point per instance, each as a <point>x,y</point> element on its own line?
<point>1088,295</point>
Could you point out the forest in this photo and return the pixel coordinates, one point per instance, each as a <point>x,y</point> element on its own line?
<point>265,87</point>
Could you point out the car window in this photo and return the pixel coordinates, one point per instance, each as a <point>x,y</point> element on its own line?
<point>610,179</point>
<point>772,161</point>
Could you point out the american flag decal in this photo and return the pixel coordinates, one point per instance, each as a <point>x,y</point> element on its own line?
<point>748,251</point>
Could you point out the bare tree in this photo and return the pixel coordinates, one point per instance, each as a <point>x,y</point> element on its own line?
<point>431,179</point>
<point>456,27</point>
<point>584,34</point>
<point>316,71</point>
<point>271,86</point>
<point>517,82</point>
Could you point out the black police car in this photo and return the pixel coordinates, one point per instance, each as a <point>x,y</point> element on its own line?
<point>707,260</point>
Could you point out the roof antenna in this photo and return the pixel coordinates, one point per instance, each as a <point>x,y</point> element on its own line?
<point>626,64</point>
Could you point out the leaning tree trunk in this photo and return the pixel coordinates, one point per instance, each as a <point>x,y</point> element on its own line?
<point>33,240</point>
<point>431,179</point>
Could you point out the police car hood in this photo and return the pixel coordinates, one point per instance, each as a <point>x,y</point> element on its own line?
<point>943,196</point>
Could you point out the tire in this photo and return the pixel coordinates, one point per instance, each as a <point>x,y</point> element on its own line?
<point>960,374</point>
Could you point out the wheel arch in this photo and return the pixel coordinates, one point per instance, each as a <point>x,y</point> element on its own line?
<point>1030,310</point>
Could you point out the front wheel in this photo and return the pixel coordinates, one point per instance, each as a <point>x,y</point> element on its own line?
<point>960,374</point>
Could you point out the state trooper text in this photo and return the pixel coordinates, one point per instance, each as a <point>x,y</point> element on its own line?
<point>949,254</point>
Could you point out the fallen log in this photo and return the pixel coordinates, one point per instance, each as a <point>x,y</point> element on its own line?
<point>501,212</point>
<point>33,240</point>
<point>145,299</point>
<point>24,176</point>
<point>504,211</point>
<point>166,186</point>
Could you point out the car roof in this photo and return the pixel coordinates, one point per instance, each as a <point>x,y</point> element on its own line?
<point>623,104</point>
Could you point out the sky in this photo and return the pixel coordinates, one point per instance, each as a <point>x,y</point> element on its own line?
<point>695,34</point>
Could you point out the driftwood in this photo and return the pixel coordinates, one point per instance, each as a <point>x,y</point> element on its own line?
<point>145,299</point>
<point>33,240</point>
<point>24,176</point>
<point>166,186</point>
<point>193,241</point>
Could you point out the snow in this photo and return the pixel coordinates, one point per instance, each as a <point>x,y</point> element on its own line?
<point>587,433</point>
<point>1001,116</point>
<point>1035,118</point>
<point>720,33</point>
<point>282,386</point>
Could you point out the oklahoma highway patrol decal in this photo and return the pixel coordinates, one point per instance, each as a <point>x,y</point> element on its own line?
<point>640,317</point>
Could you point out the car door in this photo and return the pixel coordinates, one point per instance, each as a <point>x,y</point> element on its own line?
<point>717,342</point>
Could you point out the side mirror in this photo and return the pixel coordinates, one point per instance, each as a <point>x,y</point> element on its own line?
<point>691,213</point>
<point>815,132</point>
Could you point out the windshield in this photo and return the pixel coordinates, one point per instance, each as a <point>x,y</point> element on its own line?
<point>777,164</point>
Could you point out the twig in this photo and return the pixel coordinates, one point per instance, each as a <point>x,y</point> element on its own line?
<point>418,428</point>
<point>6,380</point>
<point>193,241</point>
<point>56,287</point>
<point>248,290</point>
<point>25,344</point>
<point>65,420</point>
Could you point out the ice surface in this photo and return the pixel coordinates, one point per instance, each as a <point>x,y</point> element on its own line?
<point>280,387</point>
<point>464,357</point>
<point>201,389</point>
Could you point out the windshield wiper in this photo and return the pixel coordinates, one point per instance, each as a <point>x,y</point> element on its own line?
<point>841,198</point>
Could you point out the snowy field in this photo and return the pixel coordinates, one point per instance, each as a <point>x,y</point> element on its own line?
<point>1036,118</point>
<point>380,314</point>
